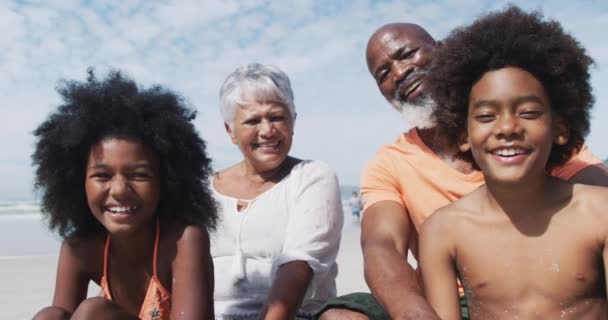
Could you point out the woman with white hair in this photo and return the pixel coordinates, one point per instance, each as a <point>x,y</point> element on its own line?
<point>275,246</point>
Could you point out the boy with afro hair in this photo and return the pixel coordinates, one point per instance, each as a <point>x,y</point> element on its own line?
<point>515,96</point>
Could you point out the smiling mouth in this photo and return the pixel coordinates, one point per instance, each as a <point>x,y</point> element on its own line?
<point>267,145</point>
<point>511,155</point>
<point>407,88</point>
<point>121,210</point>
<point>510,152</point>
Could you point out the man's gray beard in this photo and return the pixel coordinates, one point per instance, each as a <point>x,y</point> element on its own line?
<point>417,114</point>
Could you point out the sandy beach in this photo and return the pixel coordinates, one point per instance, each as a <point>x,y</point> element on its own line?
<point>28,263</point>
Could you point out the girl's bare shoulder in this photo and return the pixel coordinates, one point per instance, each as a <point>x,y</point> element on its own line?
<point>85,254</point>
<point>178,239</point>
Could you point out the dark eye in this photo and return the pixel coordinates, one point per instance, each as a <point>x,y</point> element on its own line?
<point>102,176</point>
<point>381,76</point>
<point>251,122</point>
<point>408,53</point>
<point>139,176</point>
<point>484,117</point>
<point>531,114</point>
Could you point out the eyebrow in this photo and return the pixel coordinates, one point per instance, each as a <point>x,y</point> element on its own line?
<point>528,98</point>
<point>516,102</point>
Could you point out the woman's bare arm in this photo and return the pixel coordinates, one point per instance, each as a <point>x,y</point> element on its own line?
<point>288,290</point>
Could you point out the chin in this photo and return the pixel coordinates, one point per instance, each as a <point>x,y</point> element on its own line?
<point>269,163</point>
<point>418,114</point>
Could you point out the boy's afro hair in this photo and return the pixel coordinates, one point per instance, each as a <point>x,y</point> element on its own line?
<point>513,38</point>
<point>116,107</point>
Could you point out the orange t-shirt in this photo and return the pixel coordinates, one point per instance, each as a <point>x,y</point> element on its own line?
<point>408,172</point>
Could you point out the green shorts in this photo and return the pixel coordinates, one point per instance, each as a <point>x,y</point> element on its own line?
<point>366,303</point>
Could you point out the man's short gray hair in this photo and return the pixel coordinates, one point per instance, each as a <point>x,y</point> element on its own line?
<point>255,83</point>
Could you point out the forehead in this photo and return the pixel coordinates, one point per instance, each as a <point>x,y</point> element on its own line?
<point>505,83</point>
<point>121,149</point>
<point>260,107</point>
<point>386,41</point>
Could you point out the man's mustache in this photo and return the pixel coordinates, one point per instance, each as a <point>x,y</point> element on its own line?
<point>406,81</point>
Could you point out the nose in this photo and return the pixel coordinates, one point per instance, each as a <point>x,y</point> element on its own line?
<point>266,128</point>
<point>507,127</point>
<point>119,187</point>
<point>401,69</point>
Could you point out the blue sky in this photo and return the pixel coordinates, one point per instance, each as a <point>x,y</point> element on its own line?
<point>190,47</point>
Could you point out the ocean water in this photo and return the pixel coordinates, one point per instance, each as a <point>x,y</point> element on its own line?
<point>19,207</point>
<point>30,207</point>
<point>23,230</point>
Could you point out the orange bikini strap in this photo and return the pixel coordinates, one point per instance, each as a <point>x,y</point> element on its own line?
<point>156,246</point>
<point>105,256</point>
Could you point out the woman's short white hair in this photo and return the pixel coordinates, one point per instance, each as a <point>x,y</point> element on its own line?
<point>255,82</point>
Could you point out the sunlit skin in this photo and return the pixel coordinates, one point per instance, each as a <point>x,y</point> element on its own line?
<point>525,245</point>
<point>122,185</point>
<point>395,55</point>
<point>386,228</point>
<point>263,131</point>
<point>511,127</point>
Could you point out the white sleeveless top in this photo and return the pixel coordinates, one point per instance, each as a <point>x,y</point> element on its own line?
<point>298,219</point>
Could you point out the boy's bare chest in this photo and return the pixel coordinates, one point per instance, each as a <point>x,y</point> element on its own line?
<point>559,262</point>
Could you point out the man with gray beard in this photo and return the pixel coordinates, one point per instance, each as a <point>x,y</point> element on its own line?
<point>408,180</point>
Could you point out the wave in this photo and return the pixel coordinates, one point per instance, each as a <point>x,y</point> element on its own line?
<point>19,207</point>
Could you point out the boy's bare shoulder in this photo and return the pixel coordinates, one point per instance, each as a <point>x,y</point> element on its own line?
<point>591,200</point>
<point>454,215</point>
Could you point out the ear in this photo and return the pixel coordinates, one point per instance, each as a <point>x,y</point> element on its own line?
<point>230,133</point>
<point>561,131</point>
<point>463,143</point>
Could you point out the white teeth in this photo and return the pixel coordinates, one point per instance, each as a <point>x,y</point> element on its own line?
<point>121,210</point>
<point>509,152</point>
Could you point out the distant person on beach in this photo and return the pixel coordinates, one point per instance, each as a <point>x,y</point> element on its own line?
<point>515,97</point>
<point>275,248</point>
<point>356,205</point>
<point>411,178</point>
<point>123,175</point>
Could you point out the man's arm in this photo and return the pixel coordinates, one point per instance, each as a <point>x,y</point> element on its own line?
<point>385,232</point>
<point>437,265</point>
<point>594,175</point>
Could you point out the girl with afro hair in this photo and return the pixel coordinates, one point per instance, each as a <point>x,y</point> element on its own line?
<point>123,175</point>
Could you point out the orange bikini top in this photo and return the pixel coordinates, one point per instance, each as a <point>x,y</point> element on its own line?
<point>157,303</point>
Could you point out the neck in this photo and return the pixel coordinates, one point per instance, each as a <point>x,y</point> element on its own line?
<point>441,147</point>
<point>253,176</point>
<point>522,198</point>
<point>135,246</point>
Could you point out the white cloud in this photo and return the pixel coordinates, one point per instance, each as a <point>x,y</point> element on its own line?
<point>190,46</point>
